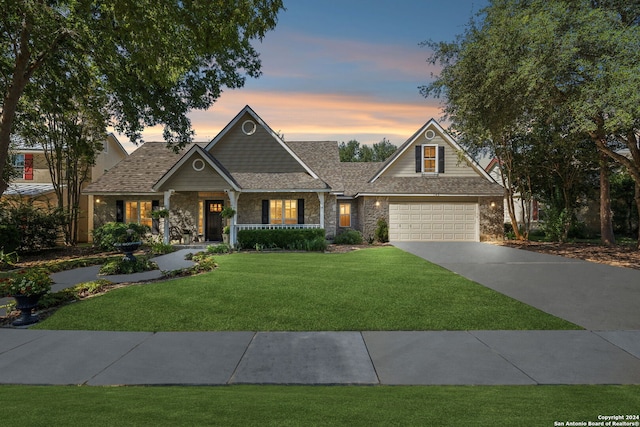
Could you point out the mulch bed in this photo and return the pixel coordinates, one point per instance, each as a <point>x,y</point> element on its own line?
<point>617,255</point>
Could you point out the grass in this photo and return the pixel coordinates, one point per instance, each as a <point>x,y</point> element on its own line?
<point>313,405</point>
<point>373,289</point>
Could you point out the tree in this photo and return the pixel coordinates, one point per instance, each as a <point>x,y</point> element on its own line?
<point>569,61</point>
<point>155,60</point>
<point>354,152</point>
<point>69,123</point>
<point>350,151</point>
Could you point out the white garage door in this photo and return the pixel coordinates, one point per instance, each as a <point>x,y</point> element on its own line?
<point>433,222</point>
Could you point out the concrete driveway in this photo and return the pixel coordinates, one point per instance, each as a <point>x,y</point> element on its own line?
<point>594,296</point>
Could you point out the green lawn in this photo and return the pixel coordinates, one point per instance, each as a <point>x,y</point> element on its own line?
<point>373,289</point>
<point>313,405</point>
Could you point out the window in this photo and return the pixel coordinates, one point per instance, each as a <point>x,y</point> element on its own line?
<point>23,164</point>
<point>429,158</point>
<point>345,214</point>
<point>138,211</point>
<point>18,164</point>
<point>283,211</point>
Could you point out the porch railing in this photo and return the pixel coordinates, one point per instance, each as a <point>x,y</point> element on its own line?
<point>274,226</point>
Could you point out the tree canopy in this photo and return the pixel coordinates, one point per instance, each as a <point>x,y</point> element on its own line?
<point>354,152</point>
<point>155,61</point>
<point>525,66</point>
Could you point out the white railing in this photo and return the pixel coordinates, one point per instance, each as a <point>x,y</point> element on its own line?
<point>274,226</point>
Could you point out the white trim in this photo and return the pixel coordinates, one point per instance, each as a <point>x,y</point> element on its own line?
<point>429,134</point>
<point>262,123</point>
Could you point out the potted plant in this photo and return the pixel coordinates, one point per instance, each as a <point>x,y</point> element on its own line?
<point>225,234</point>
<point>228,212</point>
<point>26,287</point>
<point>129,243</point>
<point>160,213</point>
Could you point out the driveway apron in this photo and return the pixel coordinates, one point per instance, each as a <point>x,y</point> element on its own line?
<point>594,296</point>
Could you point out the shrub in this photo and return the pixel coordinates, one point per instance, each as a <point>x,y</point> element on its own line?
<point>38,227</point>
<point>222,248</point>
<point>9,237</point>
<point>349,237</point>
<point>160,248</point>
<point>319,244</point>
<point>116,232</point>
<point>123,266</point>
<point>382,231</point>
<point>295,238</point>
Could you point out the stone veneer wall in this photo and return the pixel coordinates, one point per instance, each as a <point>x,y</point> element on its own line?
<point>491,219</point>
<point>371,213</point>
<point>105,210</point>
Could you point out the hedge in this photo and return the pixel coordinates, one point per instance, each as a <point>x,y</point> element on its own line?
<point>288,238</point>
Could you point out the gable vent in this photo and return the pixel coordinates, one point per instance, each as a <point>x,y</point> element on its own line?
<point>429,134</point>
<point>249,127</point>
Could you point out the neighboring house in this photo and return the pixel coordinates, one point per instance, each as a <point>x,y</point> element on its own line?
<point>34,180</point>
<point>494,171</point>
<point>425,191</point>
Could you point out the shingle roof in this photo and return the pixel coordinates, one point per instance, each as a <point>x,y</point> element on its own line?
<point>137,173</point>
<point>441,185</point>
<point>278,181</point>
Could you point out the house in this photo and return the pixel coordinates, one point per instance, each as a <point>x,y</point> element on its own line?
<point>429,190</point>
<point>34,180</point>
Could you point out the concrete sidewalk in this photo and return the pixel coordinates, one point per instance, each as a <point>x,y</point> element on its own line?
<point>367,358</point>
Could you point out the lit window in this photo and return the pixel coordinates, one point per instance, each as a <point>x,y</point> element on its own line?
<point>345,214</point>
<point>283,211</point>
<point>429,160</point>
<point>138,211</point>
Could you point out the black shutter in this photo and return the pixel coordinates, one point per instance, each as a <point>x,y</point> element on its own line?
<point>265,212</point>
<point>440,159</point>
<point>418,158</point>
<point>155,223</point>
<point>119,210</point>
<point>300,211</point>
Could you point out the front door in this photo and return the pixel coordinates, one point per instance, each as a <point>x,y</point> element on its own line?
<point>213,220</point>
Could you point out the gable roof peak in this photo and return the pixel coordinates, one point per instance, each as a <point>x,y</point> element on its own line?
<point>259,122</point>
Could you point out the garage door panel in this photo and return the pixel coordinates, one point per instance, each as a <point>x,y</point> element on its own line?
<point>431,221</point>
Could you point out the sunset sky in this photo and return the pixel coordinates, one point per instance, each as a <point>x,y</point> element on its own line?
<point>342,69</point>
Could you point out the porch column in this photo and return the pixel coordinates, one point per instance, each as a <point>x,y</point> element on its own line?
<point>321,198</point>
<point>233,198</point>
<point>167,206</point>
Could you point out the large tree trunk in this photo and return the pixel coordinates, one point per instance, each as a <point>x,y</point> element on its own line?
<point>606,223</point>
